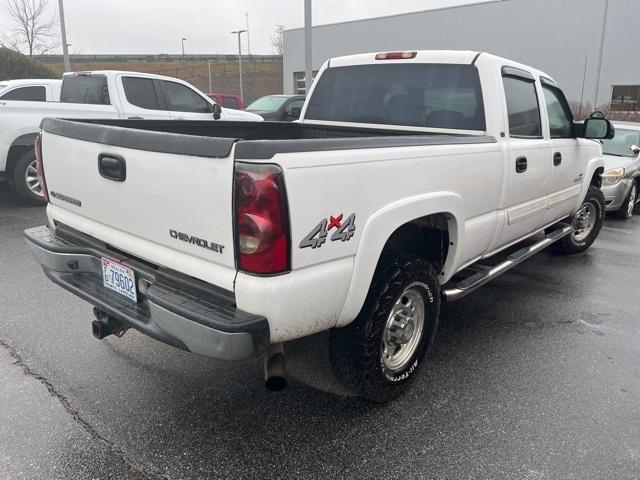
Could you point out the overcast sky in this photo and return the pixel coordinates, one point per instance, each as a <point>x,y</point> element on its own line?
<point>156,26</point>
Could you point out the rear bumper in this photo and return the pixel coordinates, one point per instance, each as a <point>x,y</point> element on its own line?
<point>171,307</point>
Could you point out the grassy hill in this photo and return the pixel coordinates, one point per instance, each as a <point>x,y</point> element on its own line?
<point>15,65</point>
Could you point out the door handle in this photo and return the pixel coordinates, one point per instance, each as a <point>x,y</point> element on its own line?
<point>557,158</point>
<point>135,118</point>
<point>112,167</point>
<point>521,164</point>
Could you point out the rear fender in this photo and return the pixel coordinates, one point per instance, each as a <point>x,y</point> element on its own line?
<point>379,228</point>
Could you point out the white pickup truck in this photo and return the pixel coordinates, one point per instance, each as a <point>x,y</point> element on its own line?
<point>98,94</point>
<point>411,179</point>
<point>30,90</point>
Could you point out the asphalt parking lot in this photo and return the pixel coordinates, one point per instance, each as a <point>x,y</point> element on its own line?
<point>535,376</point>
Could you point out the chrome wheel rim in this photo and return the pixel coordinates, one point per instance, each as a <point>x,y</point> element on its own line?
<point>584,221</point>
<point>403,330</point>
<point>632,201</point>
<point>31,179</point>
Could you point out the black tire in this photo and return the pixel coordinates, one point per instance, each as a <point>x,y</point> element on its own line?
<point>628,206</point>
<point>574,243</point>
<point>356,351</point>
<point>19,179</point>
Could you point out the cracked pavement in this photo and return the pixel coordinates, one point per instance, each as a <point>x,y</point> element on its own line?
<point>535,376</point>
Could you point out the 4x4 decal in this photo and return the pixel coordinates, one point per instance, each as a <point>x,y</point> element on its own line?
<point>344,231</point>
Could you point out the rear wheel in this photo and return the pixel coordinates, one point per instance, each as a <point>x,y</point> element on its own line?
<point>586,223</point>
<point>378,354</point>
<point>626,210</point>
<point>25,179</point>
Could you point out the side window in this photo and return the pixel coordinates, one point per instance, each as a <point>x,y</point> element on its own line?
<point>140,92</point>
<point>560,119</point>
<point>230,102</point>
<point>522,107</point>
<point>180,98</point>
<point>27,94</point>
<point>294,104</point>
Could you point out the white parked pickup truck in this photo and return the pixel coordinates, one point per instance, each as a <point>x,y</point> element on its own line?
<point>411,179</point>
<point>98,94</point>
<point>30,90</point>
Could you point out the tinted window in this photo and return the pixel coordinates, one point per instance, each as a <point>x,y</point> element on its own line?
<point>140,92</point>
<point>85,89</point>
<point>560,119</point>
<point>295,104</point>
<point>522,107</point>
<point>621,143</point>
<point>230,102</point>
<point>28,94</point>
<point>180,98</point>
<point>420,95</point>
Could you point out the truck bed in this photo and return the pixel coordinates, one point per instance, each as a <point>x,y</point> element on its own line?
<point>255,140</point>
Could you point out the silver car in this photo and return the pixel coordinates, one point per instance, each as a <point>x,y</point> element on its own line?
<point>621,178</point>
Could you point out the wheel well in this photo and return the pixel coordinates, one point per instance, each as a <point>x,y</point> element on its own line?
<point>426,237</point>
<point>15,153</point>
<point>596,180</point>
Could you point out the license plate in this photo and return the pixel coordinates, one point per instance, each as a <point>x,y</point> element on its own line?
<point>119,278</point>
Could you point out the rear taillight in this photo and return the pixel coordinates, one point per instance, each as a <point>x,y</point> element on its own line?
<point>396,55</point>
<point>261,219</point>
<point>40,168</point>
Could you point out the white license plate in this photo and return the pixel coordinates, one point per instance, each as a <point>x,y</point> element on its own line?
<point>119,278</point>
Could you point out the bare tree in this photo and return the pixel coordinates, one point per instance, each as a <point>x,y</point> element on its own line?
<point>34,30</point>
<point>277,39</point>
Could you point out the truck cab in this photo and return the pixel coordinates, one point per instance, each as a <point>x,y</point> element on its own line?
<point>411,180</point>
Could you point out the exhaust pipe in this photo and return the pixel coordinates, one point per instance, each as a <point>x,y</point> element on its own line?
<point>105,325</point>
<point>274,368</point>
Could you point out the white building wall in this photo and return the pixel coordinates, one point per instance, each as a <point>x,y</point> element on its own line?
<point>560,37</point>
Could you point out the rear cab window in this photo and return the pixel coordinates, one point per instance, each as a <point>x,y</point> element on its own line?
<point>446,96</point>
<point>87,89</point>
<point>35,93</point>
<point>523,109</point>
<point>230,102</point>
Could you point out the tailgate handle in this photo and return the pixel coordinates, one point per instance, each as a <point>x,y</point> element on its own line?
<point>112,167</point>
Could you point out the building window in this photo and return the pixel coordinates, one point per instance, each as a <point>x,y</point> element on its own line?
<point>625,98</point>
<point>299,81</point>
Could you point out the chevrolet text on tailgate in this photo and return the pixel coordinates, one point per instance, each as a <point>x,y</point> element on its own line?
<point>412,179</point>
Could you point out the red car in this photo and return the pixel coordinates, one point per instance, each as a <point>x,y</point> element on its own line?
<point>226,100</point>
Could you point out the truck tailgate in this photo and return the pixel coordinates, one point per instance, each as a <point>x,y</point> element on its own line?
<point>170,209</point>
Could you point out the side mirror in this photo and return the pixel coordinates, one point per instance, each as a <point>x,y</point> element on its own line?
<point>635,149</point>
<point>597,128</point>
<point>217,111</point>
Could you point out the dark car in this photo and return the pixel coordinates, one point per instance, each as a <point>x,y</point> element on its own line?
<point>278,108</point>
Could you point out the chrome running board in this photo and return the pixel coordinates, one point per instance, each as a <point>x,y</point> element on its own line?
<point>486,274</point>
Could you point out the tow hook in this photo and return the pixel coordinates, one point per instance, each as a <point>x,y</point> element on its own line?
<point>274,368</point>
<point>105,325</point>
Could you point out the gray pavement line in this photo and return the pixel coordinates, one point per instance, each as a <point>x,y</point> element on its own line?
<point>26,370</point>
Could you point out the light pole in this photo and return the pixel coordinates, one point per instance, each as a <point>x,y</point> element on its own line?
<point>63,33</point>
<point>183,39</point>
<point>308,64</point>
<point>209,65</point>
<point>248,34</point>
<point>238,32</point>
